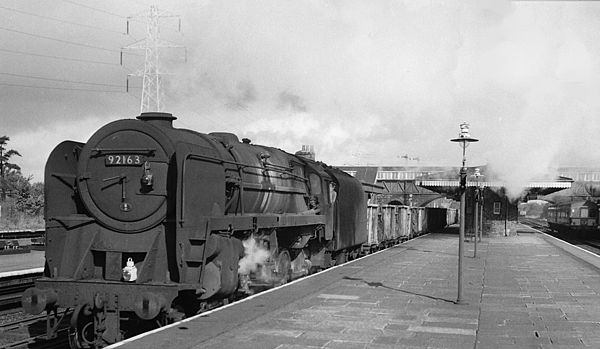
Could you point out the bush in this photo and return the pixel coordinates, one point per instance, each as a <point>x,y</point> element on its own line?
<point>23,207</point>
<point>12,218</point>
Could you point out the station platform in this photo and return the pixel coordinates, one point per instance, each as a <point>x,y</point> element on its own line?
<point>520,291</point>
<point>22,263</point>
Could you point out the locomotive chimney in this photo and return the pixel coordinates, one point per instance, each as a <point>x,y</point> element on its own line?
<point>158,119</point>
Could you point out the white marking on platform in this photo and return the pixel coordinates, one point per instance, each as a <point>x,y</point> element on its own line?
<point>338,296</point>
<point>564,242</point>
<point>452,320</point>
<point>443,330</point>
<point>21,272</point>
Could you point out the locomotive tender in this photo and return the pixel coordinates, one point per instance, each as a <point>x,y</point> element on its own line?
<point>147,224</point>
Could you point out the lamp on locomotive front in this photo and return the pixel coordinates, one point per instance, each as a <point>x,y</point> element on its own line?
<point>464,139</point>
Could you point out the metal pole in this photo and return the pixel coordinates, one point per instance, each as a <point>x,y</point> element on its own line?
<point>505,215</point>
<point>461,238</point>
<point>463,138</point>
<point>476,224</point>
<point>461,231</point>
<point>481,217</point>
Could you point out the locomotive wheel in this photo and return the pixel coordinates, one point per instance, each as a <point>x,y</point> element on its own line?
<point>341,257</point>
<point>81,331</point>
<point>283,267</point>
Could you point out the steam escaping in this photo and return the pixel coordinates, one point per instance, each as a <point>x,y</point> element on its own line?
<point>255,256</point>
<point>390,78</point>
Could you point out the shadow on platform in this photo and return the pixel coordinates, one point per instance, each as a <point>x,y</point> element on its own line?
<point>379,284</point>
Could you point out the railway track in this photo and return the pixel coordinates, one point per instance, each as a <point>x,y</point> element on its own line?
<point>30,333</point>
<point>12,287</point>
<point>591,245</point>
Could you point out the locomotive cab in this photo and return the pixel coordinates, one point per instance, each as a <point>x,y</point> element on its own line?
<point>584,215</point>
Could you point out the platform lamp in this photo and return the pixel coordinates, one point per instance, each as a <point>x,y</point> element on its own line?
<point>464,138</point>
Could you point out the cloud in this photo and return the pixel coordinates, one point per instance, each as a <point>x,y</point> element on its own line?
<point>534,87</point>
<point>35,146</point>
<point>364,82</point>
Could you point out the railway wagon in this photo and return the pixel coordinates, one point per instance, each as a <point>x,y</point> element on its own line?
<point>418,221</point>
<point>574,217</point>
<point>387,225</point>
<point>451,216</point>
<point>391,224</point>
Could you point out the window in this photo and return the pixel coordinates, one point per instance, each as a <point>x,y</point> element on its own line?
<point>584,212</point>
<point>497,206</point>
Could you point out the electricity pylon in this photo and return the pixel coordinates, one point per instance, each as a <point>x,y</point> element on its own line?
<point>151,73</point>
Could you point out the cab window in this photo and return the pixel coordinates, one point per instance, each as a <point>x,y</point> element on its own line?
<point>315,184</point>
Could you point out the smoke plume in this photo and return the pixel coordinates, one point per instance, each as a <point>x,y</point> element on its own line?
<point>255,256</point>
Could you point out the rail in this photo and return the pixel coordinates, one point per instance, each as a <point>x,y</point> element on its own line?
<point>22,234</point>
<point>588,244</point>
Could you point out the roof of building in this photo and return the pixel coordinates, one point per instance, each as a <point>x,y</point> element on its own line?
<point>442,179</point>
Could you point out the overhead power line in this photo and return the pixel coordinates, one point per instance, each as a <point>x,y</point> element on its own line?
<point>60,88</point>
<point>60,20</point>
<point>60,40</point>
<point>57,57</point>
<point>94,8</point>
<point>60,80</point>
<point>97,9</point>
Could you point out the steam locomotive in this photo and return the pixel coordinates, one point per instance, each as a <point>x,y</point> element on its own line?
<point>147,224</point>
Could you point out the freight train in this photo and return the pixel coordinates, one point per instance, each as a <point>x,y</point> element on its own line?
<point>147,224</point>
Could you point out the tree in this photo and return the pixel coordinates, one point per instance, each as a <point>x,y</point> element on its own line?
<point>29,197</point>
<point>6,167</point>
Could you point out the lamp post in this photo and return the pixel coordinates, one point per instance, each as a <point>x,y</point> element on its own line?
<point>464,138</point>
<point>482,198</point>
<point>477,174</point>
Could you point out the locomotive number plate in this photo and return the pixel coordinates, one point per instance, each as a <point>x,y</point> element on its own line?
<point>124,160</point>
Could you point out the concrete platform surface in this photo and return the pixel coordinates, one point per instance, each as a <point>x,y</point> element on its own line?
<point>11,263</point>
<point>519,292</point>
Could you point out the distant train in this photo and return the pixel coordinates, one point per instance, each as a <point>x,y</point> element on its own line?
<point>147,224</point>
<point>573,217</point>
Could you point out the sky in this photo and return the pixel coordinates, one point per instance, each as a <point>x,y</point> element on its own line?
<point>364,82</point>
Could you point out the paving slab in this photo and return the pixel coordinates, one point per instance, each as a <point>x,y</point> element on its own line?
<point>519,291</point>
